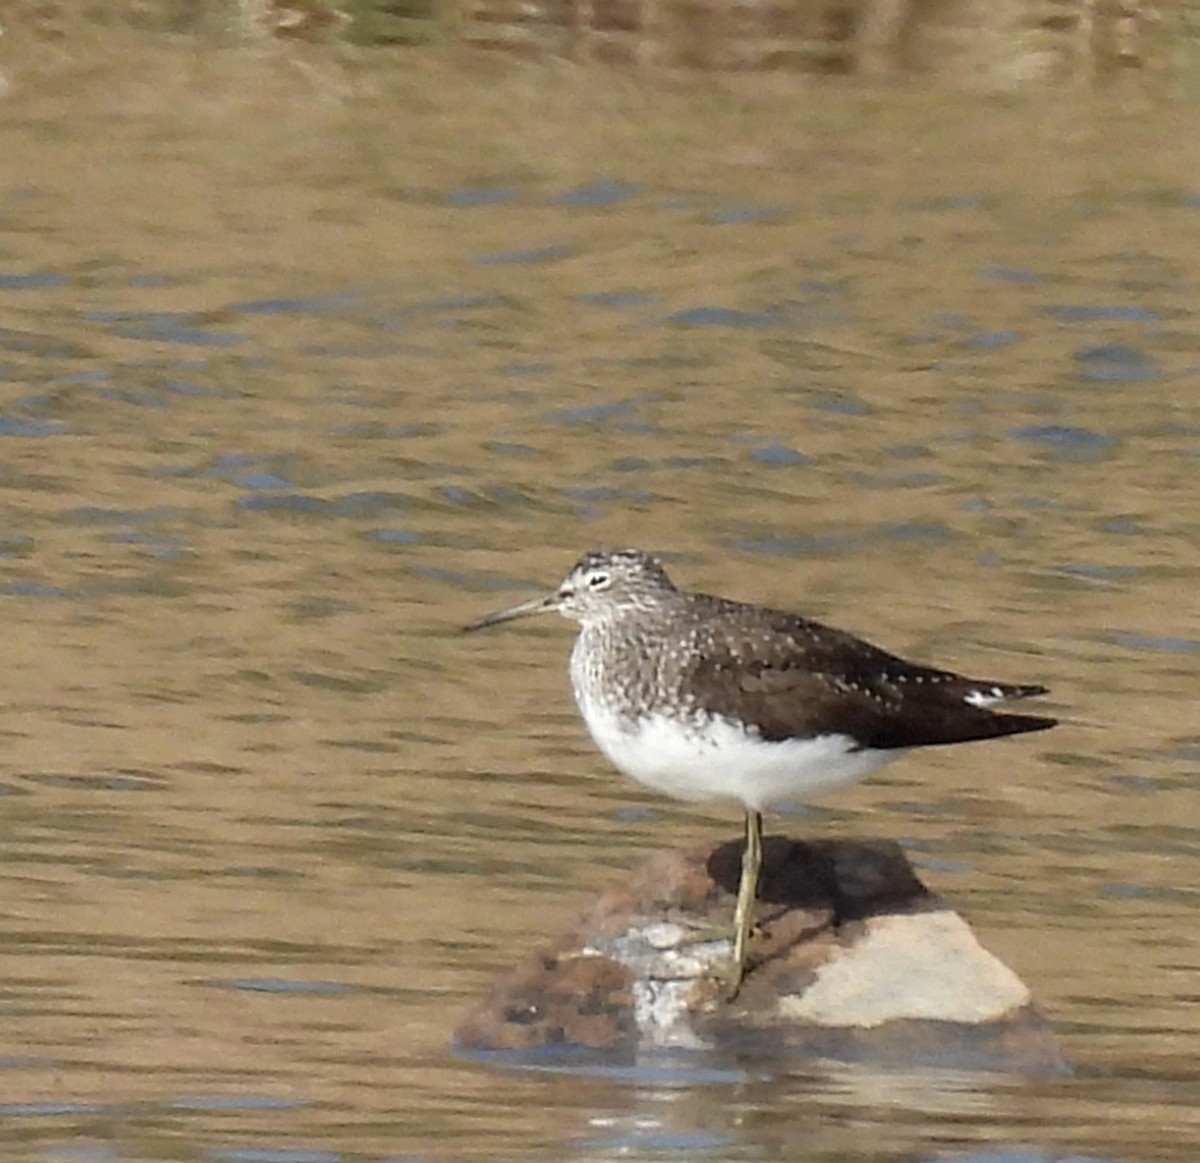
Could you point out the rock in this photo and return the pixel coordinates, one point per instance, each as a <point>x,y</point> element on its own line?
<point>854,959</point>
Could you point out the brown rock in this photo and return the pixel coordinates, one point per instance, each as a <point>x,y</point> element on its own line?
<point>854,959</point>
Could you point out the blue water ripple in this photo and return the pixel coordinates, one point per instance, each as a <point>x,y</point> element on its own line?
<point>1017,275</point>
<point>157,545</point>
<point>657,1141</point>
<point>907,451</point>
<point>617,298</point>
<point>33,281</point>
<point>352,505</point>
<point>1158,645</point>
<point>989,339</point>
<point>456,303</point>
<point>183,388</point>
<point>1020,1156</point>
<point>1062,435</point>
<point>1116,363</point>
<point>27,588</point>
<point>1098,572</point>
<point>800,546</point>
<point>316,305</point>
<point>466,197</point>
<point>271,1155</point>
<point>18,426</point>
<point>1116,313</point>
<point>507,448</point>
<point>590,412</point>
<point>81,1152</point>
<point>735,215</point>
<point>598,493</point>
<point>532,256</point>
<point>16,545</point>
<point>42,1109</point>
<point>778,454</point>
<point>98,515</point>
<point>237,1102</point>
<point>262,480</point>
<point>602,192</point>
<point>958,202</point>
<point>282,985</point>
<point>163,327</point>
<point>899,480</point>
<point>841,404</point>
<point>721,317</point>
<point>394,536</point>
<point>527,368</point>
<point>949,319</point>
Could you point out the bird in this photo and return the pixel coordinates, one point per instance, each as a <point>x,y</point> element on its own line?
<point>703,698</point>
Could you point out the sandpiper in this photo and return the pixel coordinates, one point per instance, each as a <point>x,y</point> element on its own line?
<point>703,698</point>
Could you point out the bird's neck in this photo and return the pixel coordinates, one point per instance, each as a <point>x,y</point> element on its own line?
<point>616,663</point>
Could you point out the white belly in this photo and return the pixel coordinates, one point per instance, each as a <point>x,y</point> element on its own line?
<point>724,763</point>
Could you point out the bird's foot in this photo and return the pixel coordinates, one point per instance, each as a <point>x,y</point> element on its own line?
<point>723,981</point>
<point>722,972</point>
<point>728,974</point>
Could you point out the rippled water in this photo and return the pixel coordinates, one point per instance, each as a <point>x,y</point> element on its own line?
<point>299,378</point>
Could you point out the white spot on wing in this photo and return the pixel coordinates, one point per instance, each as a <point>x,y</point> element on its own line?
<point>984,696</point>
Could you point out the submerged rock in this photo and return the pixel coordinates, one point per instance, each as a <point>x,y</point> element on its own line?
<point>854,959</point>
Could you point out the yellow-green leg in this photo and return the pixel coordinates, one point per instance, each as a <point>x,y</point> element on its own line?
<point>743,915</point>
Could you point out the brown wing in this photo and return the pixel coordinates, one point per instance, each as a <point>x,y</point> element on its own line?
<point>791,677</point>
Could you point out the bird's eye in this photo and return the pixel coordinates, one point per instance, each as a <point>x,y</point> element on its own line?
<point>599,581</point>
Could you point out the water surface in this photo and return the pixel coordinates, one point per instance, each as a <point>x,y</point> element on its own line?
<point>304,366</point>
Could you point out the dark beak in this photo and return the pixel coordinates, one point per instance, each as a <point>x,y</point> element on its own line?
<point>545,604</point>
